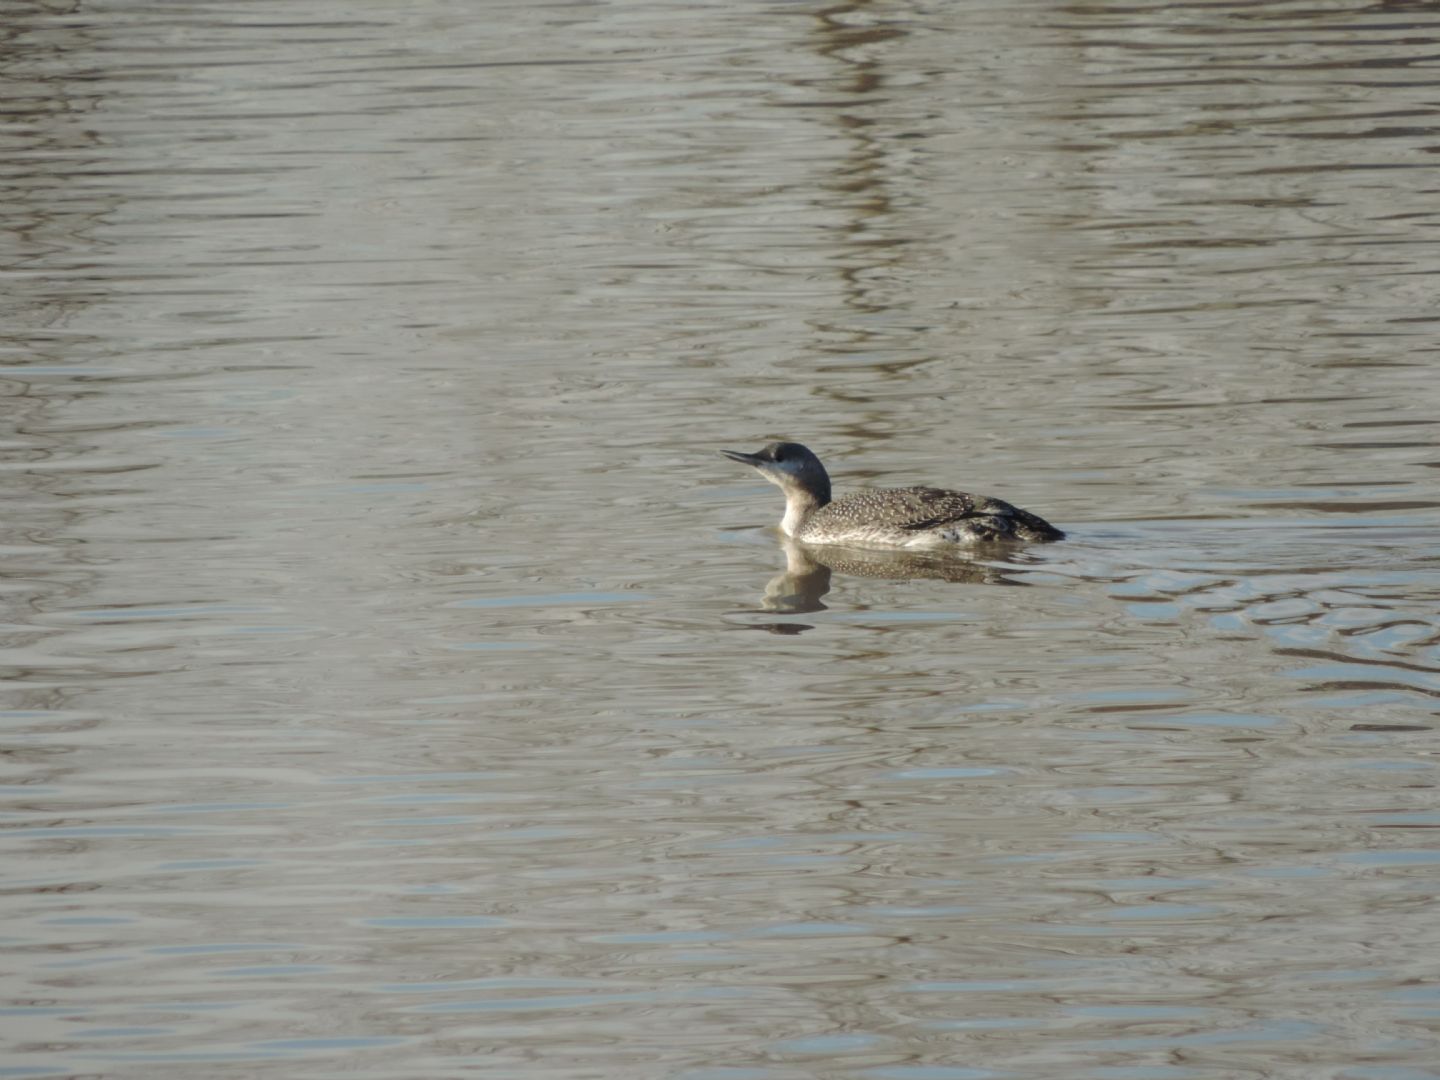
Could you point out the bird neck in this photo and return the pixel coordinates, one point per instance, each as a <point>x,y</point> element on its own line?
<point>800,503</point>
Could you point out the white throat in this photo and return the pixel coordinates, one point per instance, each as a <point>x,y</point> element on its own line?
<point>797,506</point>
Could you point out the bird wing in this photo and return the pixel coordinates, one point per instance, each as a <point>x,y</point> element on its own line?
<point>886,515</point>
<point>936,506</point>
<point>915,508</point>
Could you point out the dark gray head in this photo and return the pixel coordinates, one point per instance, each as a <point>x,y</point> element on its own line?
<point>791,467</point>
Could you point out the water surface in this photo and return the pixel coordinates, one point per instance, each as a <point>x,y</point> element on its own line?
<point>398,683</point>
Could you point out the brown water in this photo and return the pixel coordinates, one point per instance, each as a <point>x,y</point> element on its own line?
<point>396,682</point>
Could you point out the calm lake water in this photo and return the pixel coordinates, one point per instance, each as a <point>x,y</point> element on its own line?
<point>399,685</point>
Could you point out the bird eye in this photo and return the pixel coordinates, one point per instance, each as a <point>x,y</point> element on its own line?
<point>779,454</point>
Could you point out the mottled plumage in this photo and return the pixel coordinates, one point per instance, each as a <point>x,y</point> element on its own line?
<point>913,517</point>
<point>921,517</point>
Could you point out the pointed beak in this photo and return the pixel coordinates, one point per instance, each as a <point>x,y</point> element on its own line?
<point>744,459</point>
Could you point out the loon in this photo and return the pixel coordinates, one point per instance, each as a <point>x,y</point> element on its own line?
<point>912,517</point>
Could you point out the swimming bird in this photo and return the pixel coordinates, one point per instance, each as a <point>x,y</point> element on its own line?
<point>912,517</point>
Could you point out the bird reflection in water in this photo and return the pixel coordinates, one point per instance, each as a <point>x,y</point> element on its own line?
<point>808,570</point>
